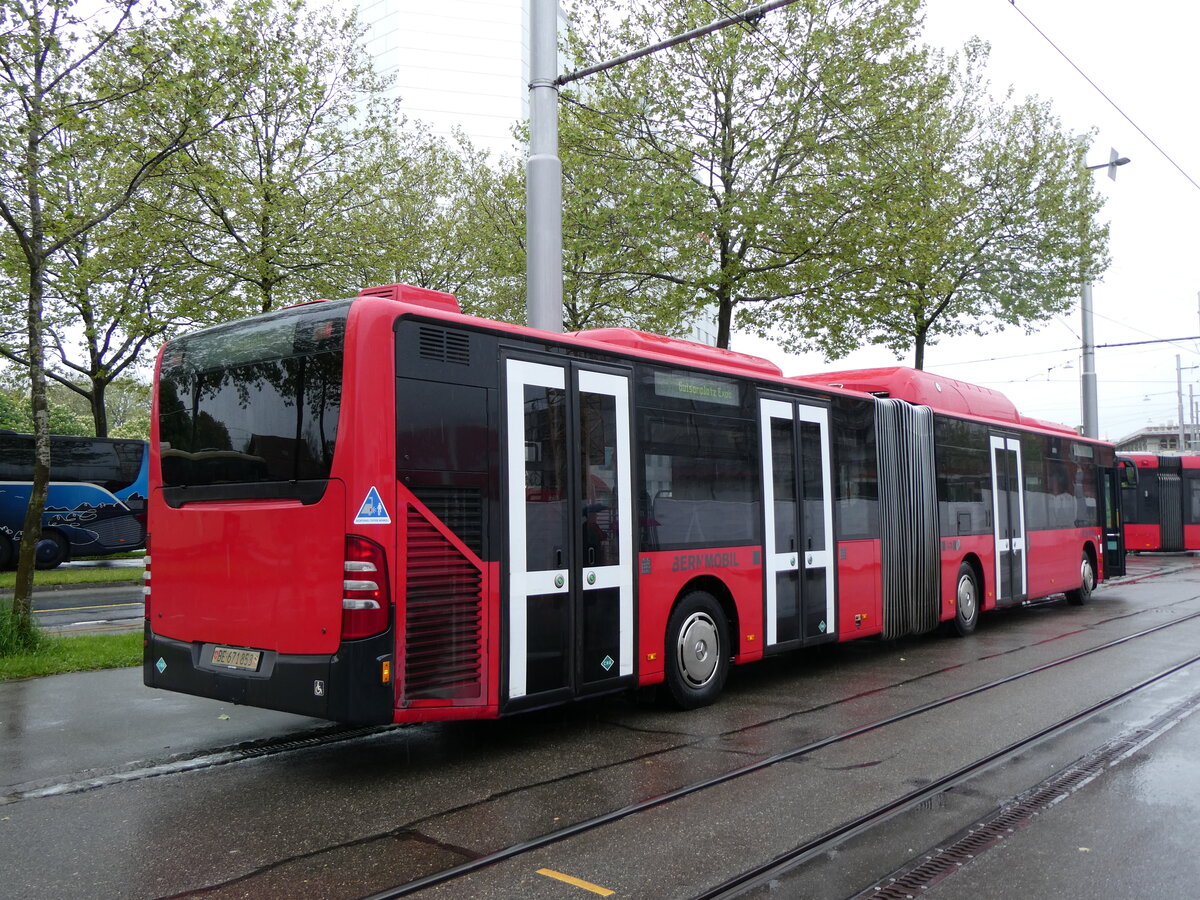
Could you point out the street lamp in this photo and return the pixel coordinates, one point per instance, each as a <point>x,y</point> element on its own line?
<point>1087,374</point>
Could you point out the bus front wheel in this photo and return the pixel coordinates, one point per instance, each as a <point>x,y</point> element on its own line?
<point>51,551</point>
<point>697,651</point>
<point>1087,582</point>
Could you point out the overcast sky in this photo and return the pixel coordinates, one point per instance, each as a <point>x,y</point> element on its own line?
<point>1144,57</point>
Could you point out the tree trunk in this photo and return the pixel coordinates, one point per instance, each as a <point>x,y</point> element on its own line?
<point>22,604</point>
<point>99,412</point>
<point>724,318</point>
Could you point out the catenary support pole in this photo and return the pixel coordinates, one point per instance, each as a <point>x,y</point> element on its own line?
<point>1179,397</point>
<point>543,174</point>
<point>1087,375</point>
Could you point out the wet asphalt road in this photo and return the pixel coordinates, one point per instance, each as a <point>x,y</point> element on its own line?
<point>90,609</point>
<point>112,790</point>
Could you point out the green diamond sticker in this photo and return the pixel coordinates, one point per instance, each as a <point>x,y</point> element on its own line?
<point>161,665</point>
<point>607,663</point>
<point>821,627</point>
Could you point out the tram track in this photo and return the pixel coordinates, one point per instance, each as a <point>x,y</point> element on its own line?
<point>425,829</point>
<point>763,874</point>
<point>79,782</point>
<point>818,845</point>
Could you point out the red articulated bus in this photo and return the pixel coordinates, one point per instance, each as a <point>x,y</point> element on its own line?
<point>1160,499</point>
<point>382,510</point>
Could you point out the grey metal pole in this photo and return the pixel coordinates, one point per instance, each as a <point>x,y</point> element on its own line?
<point>543,174</point>
<point>1087,375</point>
<point>1179,397</point>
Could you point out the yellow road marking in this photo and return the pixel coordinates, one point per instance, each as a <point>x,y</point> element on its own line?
<point>578,882</point>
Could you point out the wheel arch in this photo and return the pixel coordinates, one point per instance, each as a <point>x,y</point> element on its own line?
<point>724,597</point>
<point>976,564</point>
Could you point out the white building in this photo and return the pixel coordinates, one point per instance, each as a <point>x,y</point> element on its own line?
<point>456,63</point>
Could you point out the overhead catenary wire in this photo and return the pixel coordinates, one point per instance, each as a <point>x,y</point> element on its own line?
<point>1108,99</point>
<point>972,362</point>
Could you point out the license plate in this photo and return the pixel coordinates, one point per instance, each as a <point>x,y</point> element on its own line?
<point>235,658</point>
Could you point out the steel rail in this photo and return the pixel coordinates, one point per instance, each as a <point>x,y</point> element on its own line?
<point>536,843</point>
<point>783,863</point>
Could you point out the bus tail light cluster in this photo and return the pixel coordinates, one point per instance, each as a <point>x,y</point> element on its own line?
<point>366,598</point>
<point>146,580</point>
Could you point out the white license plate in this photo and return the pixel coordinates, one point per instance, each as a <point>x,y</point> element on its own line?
<point>236,658</point>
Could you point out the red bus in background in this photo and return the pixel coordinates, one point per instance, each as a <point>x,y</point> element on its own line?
<point>382,510</point>
<point>1160,498</point>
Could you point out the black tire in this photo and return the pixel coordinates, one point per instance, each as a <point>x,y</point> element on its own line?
<point>52,550</point>
<point>697,651</point>
<point>1087,582</point>
<point>8,559</point>
<point>966,603</point>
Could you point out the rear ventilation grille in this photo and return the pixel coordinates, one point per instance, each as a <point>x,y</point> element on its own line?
<point>459,508</point>
<point>443,612</point>
<point>439,345</point>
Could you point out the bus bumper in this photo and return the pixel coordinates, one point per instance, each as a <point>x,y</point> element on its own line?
<point>346,687</point>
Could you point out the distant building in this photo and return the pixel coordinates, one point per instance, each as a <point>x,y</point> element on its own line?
<point>1160,440</point>
<point>456,63</point>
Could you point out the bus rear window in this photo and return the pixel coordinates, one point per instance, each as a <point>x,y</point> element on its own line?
<point>251,409</point>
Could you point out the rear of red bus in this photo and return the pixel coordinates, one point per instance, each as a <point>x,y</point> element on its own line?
<point>271,475</point>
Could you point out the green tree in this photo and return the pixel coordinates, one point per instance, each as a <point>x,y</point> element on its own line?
<point>988,221</point>
<point>114,90</point>
<point>267,206</point>
<point>111,294</point>
<point>731,170</point>
<point>431,224</point>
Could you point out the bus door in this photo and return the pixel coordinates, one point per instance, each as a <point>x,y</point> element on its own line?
<point>798,510</point>
<point>570,531</point>
<point>1008,517</point>
<point>1114,534</point>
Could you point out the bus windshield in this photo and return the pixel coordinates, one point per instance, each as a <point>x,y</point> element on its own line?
<point>251,410</point>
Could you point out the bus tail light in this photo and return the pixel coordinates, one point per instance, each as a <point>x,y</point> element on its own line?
<point>146,580</point>
<point>366,598</point>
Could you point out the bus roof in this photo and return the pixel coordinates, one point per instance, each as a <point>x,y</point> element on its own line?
<point>680,349</point>
<point>936,391</point>
<point>942,394</point>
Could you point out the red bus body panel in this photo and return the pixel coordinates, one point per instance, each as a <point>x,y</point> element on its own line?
<point>1054,558</point>
<point>217,579</point>
<point>860,601</point>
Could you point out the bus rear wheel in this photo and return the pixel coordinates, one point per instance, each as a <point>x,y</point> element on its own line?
<point>51,551</point>
<point>1087,582</point>
<point>697,651</point>
<point>966,603</point>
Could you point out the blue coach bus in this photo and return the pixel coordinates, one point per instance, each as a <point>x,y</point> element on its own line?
<point>96,503</point>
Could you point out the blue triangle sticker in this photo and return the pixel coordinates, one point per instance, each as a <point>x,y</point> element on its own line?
<point>372,511</point>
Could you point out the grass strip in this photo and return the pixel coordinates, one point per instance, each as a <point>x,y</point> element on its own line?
<point>44,577</point>
<point>56,654</point>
